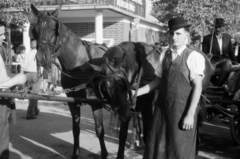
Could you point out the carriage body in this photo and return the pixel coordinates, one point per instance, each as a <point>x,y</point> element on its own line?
<point>222,103</point>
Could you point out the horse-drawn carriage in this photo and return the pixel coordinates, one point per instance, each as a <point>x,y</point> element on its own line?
<point>223,103</point>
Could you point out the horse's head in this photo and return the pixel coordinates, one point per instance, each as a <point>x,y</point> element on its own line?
<point>115,80</point>
<point>46,32</point>
<point>121,68</point>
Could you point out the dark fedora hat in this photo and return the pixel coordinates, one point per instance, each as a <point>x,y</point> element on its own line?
<point>219,22</point>
<point>177,23</point>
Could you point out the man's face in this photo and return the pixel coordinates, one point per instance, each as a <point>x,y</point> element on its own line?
<point>178,38</point>
<point>2,38</point>
<point>219,30</point>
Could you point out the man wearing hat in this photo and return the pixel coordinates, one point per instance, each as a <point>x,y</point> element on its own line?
<point>6,105</point>
<point>219,46</point>
<point>179,77</point>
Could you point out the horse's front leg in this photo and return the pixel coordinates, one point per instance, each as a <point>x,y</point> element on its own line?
<point>98,118</point>
<point>122,138</point>
<point>75,112</point>
<point>134,137</point>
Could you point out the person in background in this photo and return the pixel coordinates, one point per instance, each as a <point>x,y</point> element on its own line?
<point>222,54</point>
<point>29,77</point>
<point>236,43</point>
<point>20,54</point>
<point>7,106</point>
<point>29,67</point>
<point>179,74</point>
<point>158,45</point>
<point>165,45</point>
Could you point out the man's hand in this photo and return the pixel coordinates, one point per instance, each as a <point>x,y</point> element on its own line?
<point>235,67</point>
<point>209,55</point>
<point>188,122</point>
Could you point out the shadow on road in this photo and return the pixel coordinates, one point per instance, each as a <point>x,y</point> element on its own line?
<point>50,135</point>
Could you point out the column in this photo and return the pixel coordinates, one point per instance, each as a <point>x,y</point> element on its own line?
<point>26,38</point>
<point>99,26</point>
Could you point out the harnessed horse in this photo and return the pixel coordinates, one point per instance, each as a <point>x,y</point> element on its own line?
<point>128,66</point>
<point>55,40</point>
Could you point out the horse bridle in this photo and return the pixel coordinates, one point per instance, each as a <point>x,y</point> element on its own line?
<point>54,51</point>
<point>124,78</point>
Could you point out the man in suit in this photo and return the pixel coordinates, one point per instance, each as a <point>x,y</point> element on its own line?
<point>222,54</point>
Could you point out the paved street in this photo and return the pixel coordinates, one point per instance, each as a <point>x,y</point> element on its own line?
<point>50,136</point>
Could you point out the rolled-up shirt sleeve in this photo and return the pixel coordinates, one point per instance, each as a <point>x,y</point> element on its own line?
<point>196,65</point>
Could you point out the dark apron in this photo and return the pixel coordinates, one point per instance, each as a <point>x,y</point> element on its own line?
<point>166,138</point>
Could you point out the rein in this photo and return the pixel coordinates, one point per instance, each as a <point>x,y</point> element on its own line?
<point>134,97</point>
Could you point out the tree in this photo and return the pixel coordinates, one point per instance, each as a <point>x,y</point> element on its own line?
<point>200,13</point>
<point>17,18</point>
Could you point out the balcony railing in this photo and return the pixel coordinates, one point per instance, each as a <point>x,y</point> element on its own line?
<point>132,6</point>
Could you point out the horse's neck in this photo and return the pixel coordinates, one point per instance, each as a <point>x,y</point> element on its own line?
<point>73,53</point>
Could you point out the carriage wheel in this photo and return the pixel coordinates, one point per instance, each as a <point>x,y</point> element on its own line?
<point>235,124</point>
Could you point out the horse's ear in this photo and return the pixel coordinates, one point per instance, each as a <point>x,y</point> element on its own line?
<point>35,11</point>
<point>57,10</point>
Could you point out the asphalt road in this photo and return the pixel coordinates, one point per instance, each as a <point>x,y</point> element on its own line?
<point>50,136</point>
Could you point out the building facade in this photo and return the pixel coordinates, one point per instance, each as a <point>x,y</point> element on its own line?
<point>104,21</point>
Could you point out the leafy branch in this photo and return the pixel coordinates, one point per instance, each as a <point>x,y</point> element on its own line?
<point>200,14</point>
<point>18,19</point>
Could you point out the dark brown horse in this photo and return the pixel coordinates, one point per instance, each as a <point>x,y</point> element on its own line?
<point>121,71</point>
<point>55,40</point>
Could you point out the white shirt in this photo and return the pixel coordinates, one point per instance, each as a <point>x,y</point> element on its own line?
<point>219,39</point>
<point>3,72</point>
<point>20,58</point>
<point>195,63</point>
<point>29,63</point>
